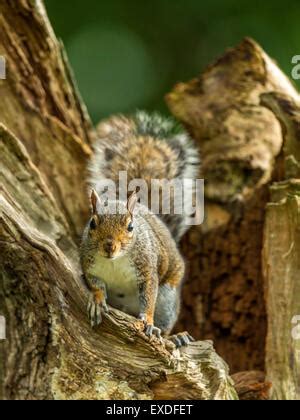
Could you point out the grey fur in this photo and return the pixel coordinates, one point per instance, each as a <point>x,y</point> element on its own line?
<point>167,307</point>
<point>115,132</point>
<point>151,257</point>
<point>144,253</point>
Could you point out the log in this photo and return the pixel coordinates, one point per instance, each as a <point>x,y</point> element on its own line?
<point>281,252</point>
<point>51,351</point>
<point>240,140</point>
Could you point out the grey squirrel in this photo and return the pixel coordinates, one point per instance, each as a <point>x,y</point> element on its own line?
<point>130,258</point>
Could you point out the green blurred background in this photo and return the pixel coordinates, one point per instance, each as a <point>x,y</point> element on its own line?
<point>126,54</point>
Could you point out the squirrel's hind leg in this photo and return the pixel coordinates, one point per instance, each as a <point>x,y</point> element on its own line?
<point>166,314</point>
<point>181,339</point>
<point>167,308</point>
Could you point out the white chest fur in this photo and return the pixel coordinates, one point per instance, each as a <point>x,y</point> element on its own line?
<point>121,282</point>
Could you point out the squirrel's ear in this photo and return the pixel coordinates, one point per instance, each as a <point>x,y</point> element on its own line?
<point>132,200</point>
<point>94,199</point>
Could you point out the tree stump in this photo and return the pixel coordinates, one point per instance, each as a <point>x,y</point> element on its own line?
<point>50,350</point>
<point>242,288</point>
<point>240,141</point>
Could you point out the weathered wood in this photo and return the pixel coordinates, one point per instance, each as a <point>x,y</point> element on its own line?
<point>287,111</point>
<point>239,141</point>
<point>40,105</point>
<point>281,260</point>
<point>251,385</point>
<point>22,184</point>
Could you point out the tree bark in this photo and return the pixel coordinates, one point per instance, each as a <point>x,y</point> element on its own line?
<point>41,105</point>
<point>281,257</point>
<point>252,385</point>
<point>240,140</point>
<point>51,351</point>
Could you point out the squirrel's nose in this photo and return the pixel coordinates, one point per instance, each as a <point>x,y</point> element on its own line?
<point>109,246</point>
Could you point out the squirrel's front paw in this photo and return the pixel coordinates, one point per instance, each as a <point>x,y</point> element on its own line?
<point>150,329</point>
<point>96,305</point>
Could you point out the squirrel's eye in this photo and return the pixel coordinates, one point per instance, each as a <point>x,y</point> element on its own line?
<point>93,224</point>
<point>130,227</point>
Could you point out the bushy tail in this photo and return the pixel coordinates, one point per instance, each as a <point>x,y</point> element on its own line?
<point>147,147</point>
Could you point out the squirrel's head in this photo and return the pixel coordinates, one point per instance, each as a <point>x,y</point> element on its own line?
<point>112,234</point>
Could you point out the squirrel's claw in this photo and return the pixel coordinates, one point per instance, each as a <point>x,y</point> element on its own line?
<point>181,339</point>
<point>151,330</point>
<point>94,313</point>
<point>94,310</point>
